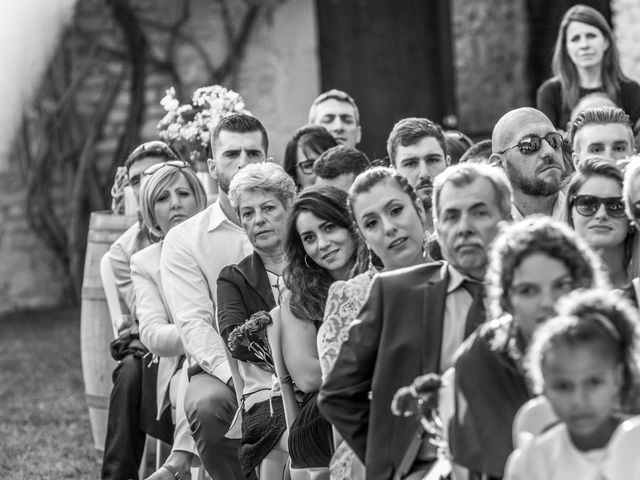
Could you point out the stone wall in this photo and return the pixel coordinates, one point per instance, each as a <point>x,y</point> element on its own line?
<point>626,23</point>
<point>490,54</point>
<point>278,78</point>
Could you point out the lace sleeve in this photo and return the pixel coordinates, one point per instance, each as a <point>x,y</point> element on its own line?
<point>344,302</point>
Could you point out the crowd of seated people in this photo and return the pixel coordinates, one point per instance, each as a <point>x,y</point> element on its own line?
<point>270,332</point>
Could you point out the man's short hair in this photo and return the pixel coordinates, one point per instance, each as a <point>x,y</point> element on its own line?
<point>338,95</point>
<point>409,131</point>
<point>467,173</point>
<point>482,149</point>
<point>340,160</point>
<point>599,116</point>
<point>240,123</point>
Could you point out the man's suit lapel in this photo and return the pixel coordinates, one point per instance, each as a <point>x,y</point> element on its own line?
<point>432,324</point>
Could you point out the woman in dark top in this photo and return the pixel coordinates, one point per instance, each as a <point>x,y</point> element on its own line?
<point>586,60</point>
<point>532,264</point>
<point>260,194</point>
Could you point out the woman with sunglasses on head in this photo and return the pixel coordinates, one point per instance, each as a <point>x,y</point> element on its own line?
<point>390,218</point>
<point>307,144</point>
<point>321,247</point>
<point>128,421</point>
<point>586,60</point>
<point>595,209</point>
<point>170,194</point>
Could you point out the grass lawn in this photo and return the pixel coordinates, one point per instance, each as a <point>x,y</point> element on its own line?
<point>44,422</point>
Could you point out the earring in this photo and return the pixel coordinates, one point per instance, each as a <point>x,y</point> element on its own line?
<point>306,262</point>
<point>425,248</point>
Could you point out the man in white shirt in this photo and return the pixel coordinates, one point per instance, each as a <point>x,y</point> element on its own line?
<point>193,254</point>
<point>529,149</point>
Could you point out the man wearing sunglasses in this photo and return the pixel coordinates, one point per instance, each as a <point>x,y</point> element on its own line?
<point>193,255</point>
<point>603,132</point>
<point>529,149</point>
<point>129,419</point>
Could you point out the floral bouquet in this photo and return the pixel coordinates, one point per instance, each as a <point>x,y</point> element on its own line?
<point>187,127</point>
<point>252,335</point>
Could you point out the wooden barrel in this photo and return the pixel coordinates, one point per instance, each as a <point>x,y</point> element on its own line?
<point>95,322</point>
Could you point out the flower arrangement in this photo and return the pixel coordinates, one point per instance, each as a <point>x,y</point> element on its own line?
<point>252,335</point>
<point>187,127</point>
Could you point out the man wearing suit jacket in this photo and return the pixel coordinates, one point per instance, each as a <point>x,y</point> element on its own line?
<point>413,322</point>
<point>193,255</point>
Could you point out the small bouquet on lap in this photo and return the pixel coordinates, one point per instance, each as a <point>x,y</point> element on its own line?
<point>251,336</point>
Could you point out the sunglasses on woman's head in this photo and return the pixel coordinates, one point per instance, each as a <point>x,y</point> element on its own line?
<point>171,163</point>
<point>588,205</point>
<point>155,147</point>
<point>532,143</point>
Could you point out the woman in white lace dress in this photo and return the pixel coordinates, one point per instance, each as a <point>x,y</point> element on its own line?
<point>391,219</point>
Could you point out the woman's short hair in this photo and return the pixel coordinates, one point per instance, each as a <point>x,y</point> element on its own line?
<point>538,234</point>
<point>312,140</point>
<point>566,71</point>
<point>267,177</point>
<point>307,281</point>
<point>153,185</point>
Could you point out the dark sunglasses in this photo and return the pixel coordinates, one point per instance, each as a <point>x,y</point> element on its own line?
<point>307,166</point>
<point>532,143</point>
<point>171,163</point>
<point>588,205</point>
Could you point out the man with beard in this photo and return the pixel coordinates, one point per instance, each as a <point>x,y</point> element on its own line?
<point>193,255</point>
<point>417,149</point>
<point>529,149</point>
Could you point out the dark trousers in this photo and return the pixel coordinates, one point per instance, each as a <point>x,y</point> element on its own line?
<point>132,414</point>
<point>210,405</point>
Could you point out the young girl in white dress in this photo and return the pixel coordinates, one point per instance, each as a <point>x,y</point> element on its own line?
<point>585,361</point>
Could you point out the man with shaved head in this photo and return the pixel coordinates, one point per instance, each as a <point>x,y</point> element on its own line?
<point>528,147</point>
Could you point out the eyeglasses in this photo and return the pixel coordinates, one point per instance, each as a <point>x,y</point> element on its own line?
<point>155,147</point>
<point>307,166</point>
<point>532,143</point>
<point>588,205</point>
<point>171,163</point>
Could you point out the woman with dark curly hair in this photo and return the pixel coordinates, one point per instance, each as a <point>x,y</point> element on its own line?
<point>306,145</point>
<point>532,264</point>
<point>321,247</point>
<point>585,60</point>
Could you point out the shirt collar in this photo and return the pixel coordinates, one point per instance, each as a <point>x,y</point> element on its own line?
<point>456,279</point>
<point>217,217</point>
